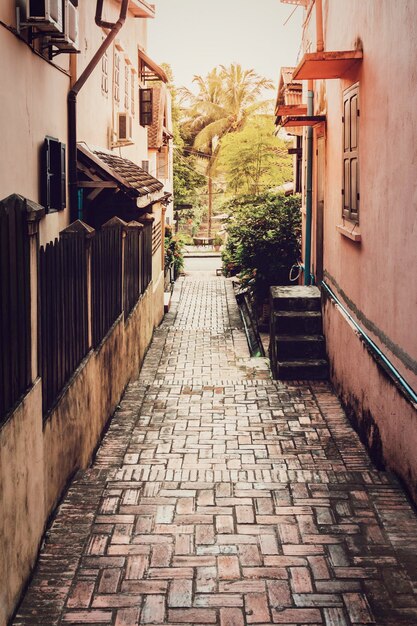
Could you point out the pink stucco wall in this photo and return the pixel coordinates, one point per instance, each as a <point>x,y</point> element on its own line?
<point>374,278</point>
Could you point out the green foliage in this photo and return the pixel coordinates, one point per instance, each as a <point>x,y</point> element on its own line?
<point>263,240</point>
<point>254,159</point>
<point>187,181</point>
<point>173,251</point>
<point>227,97</point>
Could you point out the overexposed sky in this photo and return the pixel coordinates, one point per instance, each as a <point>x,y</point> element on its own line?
<point>194,36</point>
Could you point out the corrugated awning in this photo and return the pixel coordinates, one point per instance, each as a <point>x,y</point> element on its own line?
<point>321,65</point>
<point>150,70</point>
<point>105,170</point>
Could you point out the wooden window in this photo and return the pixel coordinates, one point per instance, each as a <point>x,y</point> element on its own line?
<point>350,190</point>
<point>162,163</point>
<point>116,89</point>
<point>127,95</point>
<point>132,92</point>
<point>146,108</point>
<point>53,175</point>
<point>105,74</point>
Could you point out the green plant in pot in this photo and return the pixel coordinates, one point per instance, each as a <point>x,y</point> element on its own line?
<point>217,242</point>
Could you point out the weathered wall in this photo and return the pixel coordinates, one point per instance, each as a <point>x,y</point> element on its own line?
<point>22,504</point>
<point>27,118</point>
<point>158,299</point>
<point>385,420</point>
<point>371,277</point>
<point>373,273</point>
<point>36,463</point>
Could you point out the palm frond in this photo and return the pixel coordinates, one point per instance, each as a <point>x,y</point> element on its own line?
<point>206,137</point>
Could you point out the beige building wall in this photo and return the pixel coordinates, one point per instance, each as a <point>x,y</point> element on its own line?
<point>34,101</point>
<point>33,106</point>
<point>373,277</point>
<point>97,109</point>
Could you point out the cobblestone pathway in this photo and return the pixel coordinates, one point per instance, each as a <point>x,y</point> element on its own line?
<point>221,497</point>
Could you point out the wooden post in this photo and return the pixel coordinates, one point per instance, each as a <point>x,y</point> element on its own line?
<point>119,225</point>
<point>147,220</point>
<point>163,212</point>
<point>84,231</point>
<point>34,213</point>
<point>135,226</point>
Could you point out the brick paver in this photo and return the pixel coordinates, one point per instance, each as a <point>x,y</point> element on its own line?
<point>222,497</point>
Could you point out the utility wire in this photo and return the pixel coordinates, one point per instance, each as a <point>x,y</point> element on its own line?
<point>290,16</point>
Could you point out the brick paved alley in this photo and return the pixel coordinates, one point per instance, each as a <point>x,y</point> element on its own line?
<point>222,497</point>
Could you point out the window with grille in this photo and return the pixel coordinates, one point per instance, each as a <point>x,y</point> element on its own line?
<point>105,74</point>
<point>116,77</point>
<point>146,107</point>
<point>350,190</point>
<point>127,94</point>
<point>132,92</point>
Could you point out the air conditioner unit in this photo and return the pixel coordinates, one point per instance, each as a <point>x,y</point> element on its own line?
<point>47,15</point>
<point>69,41</point>
<point>124,127</point>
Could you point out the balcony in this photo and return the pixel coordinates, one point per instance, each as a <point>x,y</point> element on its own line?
<point>322,65</point>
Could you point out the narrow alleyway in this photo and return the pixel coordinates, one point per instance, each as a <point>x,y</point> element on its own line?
<point>221,497</point>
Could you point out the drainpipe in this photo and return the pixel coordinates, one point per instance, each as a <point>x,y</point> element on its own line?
<point>319,26</point>
<point>309,188</point>
<point>72,101</point>
<point>309,181</point>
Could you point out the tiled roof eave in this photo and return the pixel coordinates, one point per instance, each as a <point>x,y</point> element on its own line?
<point>130,178</point>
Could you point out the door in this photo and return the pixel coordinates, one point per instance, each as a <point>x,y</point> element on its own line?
<point>318,235</point>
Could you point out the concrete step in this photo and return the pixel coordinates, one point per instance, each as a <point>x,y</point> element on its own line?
<point>297,322</point>
<point>289,347</point>
<point>295,298</point>
<point>305,369</point>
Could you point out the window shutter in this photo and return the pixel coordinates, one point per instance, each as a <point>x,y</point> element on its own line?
<point>63,179</point>
<point>350,188</point>
<point>53,175</point>
<point>146,106</point>
<point>46,174</point>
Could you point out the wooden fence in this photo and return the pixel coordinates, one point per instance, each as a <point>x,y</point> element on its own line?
<point>133,279</point>
<point>85,281</point>
<point>147,255</point>
<point>15,316</point>
<point>106,281</point>
<point>64,315</point>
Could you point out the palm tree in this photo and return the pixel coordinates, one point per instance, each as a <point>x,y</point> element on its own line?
<point>225,100</point>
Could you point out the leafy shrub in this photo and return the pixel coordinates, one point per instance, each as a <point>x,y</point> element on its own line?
<point>173,251</point>
<point>263,240</point>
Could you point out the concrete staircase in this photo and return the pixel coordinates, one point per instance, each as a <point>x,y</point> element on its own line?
<point>297,345</point>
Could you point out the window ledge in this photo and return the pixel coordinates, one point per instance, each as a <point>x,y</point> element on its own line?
<point>351,232</point>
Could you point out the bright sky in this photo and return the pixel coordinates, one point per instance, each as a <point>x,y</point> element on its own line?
<point>194,36</point>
